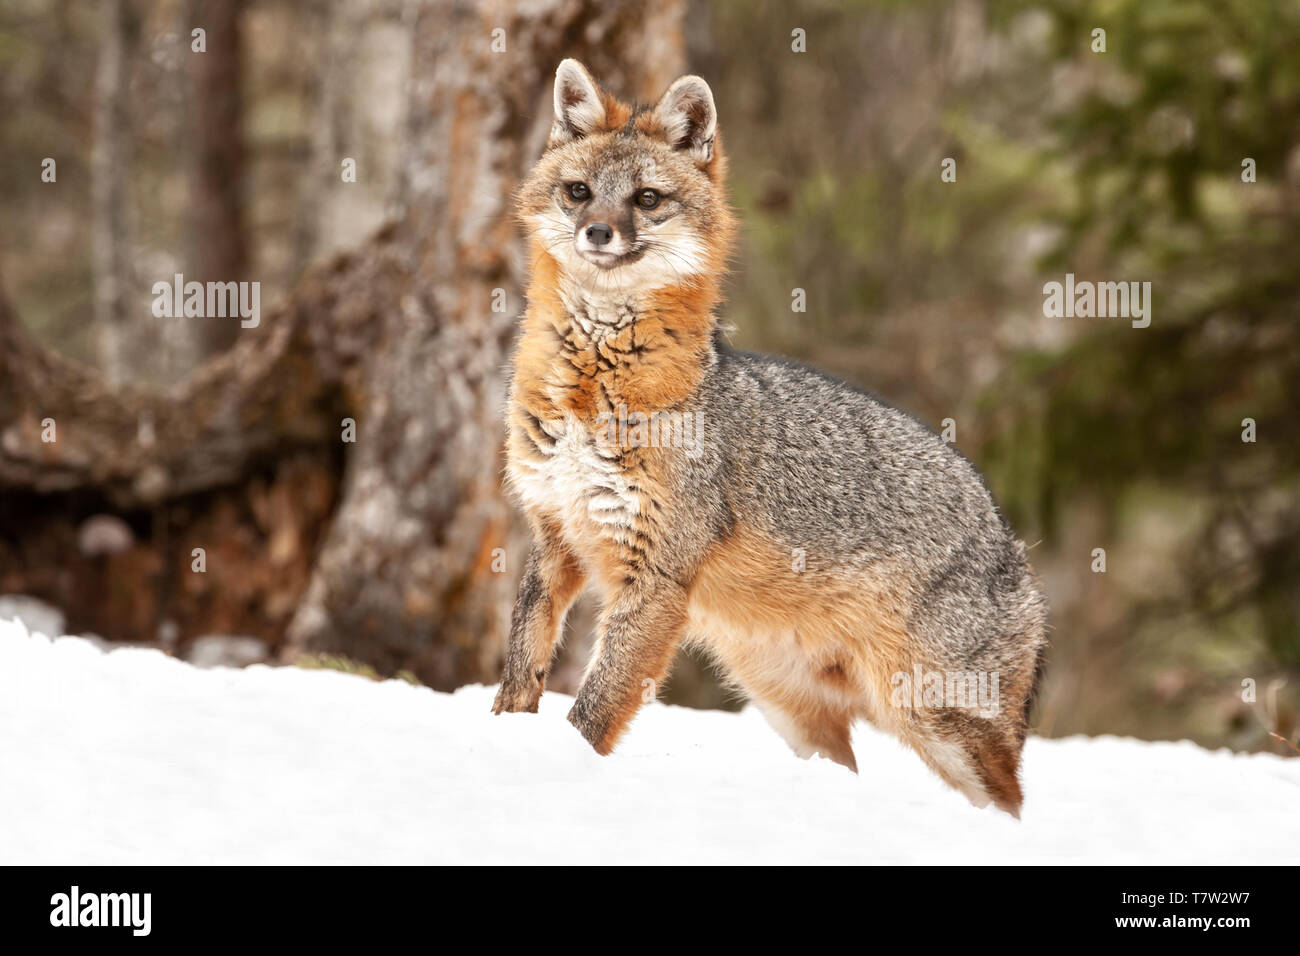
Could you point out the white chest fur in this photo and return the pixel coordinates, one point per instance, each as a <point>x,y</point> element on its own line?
<point>595,315</point>
<point>576,480</point>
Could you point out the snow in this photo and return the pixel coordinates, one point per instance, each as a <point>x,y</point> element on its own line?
<point>133,757</point>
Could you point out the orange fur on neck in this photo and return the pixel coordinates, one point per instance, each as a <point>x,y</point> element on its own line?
<point>653,363</point>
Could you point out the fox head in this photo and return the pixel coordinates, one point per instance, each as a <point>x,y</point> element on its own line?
<point>629,198</point>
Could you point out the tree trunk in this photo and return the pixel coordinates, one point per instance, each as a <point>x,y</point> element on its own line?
<point>381,548</point>
<point>218,236</point>
<point>110,172</point>
<point>366,49</point>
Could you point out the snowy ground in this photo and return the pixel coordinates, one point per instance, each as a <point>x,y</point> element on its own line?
<point>134,757</point>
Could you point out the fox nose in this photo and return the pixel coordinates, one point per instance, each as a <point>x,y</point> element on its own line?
<point>599,234</point>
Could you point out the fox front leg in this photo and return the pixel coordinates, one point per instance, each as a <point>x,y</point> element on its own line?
<point>640,632</point>
<point>550,582</point>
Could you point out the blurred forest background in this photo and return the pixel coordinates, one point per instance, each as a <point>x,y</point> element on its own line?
<point>1125,165</point>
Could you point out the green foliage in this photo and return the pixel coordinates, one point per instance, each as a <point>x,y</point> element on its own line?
<point>338,662</point>
<point>1154,147</point>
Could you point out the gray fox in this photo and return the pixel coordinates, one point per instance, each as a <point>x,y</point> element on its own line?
<point>836,559</point>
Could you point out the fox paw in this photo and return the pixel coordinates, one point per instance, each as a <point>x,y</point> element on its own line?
<point>514,697</point>
<point>595,730</point>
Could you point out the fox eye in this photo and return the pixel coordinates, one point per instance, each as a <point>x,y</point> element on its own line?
<point>579,192</point>
<point>647,198</point>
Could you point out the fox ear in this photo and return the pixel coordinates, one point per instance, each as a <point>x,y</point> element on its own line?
<point>578,107</point>
<point>689,118</point>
